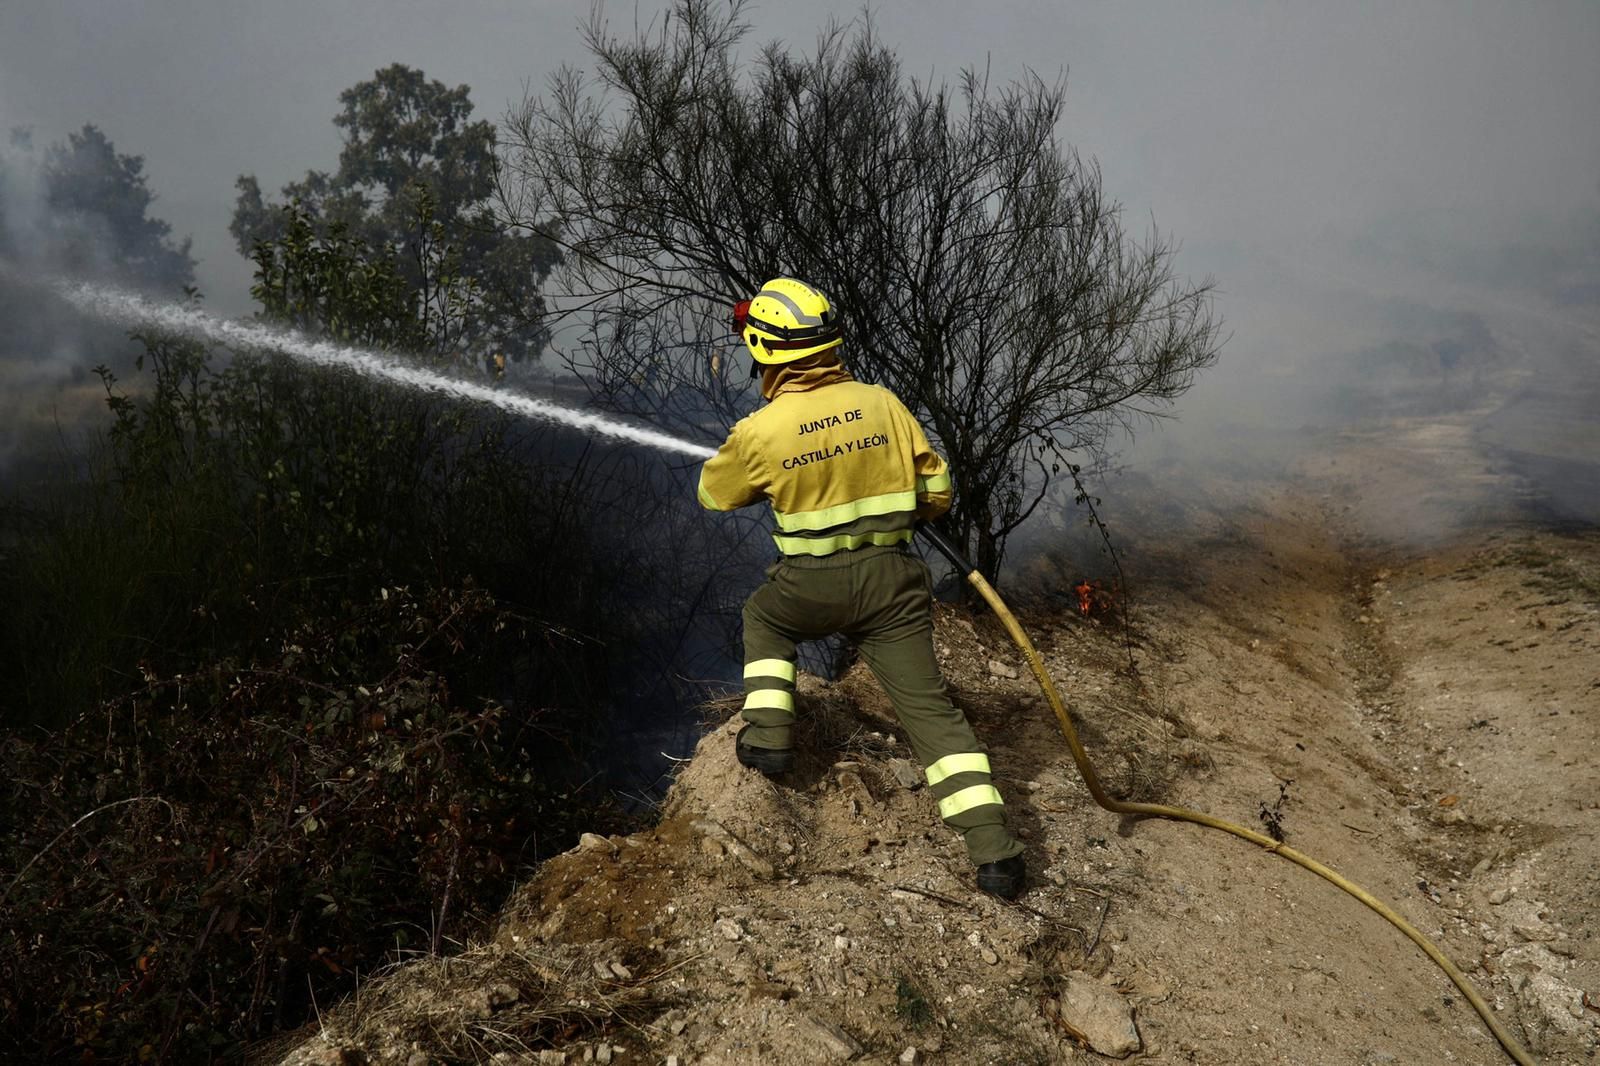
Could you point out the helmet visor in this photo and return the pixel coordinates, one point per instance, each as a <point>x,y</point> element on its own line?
<point>741,315</point>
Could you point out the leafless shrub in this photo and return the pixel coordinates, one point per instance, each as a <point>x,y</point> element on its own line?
<point>980,269</point>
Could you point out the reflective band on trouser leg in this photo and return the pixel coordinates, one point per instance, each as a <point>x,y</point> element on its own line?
<point>960,763</point>
<point>770,632</point>
<point>769,671</point>
<point>769,686</point>
<point>780,669</point>
<point>769,699</point>
<point>969,798</point>
<point>970,804</point>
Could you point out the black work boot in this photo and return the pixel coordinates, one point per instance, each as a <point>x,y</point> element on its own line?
<point>1004,878</point>
<point>770,761</point>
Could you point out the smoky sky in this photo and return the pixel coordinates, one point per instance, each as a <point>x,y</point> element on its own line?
<point>1334,167</point>
<point>1236,127</point>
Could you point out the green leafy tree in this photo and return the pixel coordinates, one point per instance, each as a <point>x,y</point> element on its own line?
<point>330,283</point>
<point>416,176</point>
<point>981,271</point>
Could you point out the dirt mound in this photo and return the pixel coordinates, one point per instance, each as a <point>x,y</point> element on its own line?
<point>831,917</point>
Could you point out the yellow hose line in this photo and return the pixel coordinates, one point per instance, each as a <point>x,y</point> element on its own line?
<point>1161,810</point>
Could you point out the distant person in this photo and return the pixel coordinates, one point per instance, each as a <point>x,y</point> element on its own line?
<point>848,472</point>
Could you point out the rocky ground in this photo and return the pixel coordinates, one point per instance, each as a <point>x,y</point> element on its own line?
<point>1373,651</point>
<point>1427,727</point>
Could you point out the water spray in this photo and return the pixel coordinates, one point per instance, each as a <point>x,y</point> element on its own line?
<point>130,308</point>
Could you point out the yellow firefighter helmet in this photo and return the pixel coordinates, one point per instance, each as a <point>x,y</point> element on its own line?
<point>787,320</point>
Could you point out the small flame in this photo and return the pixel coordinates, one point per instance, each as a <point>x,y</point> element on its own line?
<point>1094,599</point>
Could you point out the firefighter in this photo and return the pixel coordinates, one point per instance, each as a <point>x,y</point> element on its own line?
<point>848,473</point>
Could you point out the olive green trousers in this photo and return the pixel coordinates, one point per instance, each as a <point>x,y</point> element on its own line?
<point>880,598</point>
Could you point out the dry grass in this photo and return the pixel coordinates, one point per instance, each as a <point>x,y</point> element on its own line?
<point>491,1000</point>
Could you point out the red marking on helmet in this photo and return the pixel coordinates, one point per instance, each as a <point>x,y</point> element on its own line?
<point>741,312</point>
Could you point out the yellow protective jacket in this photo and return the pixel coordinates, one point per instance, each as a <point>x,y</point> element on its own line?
<point>843,463</point>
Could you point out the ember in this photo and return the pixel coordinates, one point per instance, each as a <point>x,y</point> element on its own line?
<point>1094,599</point>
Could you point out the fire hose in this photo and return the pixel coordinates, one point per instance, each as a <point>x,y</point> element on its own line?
<point>1160,810</point>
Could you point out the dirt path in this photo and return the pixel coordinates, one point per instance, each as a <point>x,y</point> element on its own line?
<point>1432,697</point>
<point>1475,830</point>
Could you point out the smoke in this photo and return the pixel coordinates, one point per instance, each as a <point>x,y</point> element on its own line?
<point>1418,382</point>
<point>33,235</point>
<point>40,353</point>
<point>1408,383</point>
<point>75,209</point>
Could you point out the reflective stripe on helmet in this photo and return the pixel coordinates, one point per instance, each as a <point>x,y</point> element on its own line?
<point>779,668</point>
<point>801,318</point>
<point>769,699</point>
<point>965,762</point>
<point>789,320</point>
<point>840,542</point>
<point>968,798</point>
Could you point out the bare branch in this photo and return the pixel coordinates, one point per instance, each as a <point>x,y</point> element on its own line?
<point>981,272</point>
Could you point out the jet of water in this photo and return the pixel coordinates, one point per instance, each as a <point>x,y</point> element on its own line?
<point>130,308</point>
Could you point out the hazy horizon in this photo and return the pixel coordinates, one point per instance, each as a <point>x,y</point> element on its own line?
<point>1348,174</point>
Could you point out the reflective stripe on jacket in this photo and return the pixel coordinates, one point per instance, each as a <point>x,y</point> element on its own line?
<point>844,464</point>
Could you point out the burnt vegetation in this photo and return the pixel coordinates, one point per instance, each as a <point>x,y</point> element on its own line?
<point>293,689</point>
<point>301,673</point>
